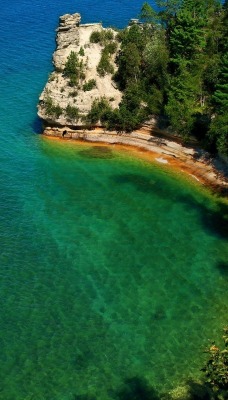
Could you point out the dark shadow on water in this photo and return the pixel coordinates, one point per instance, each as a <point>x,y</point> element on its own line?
<point>223,268</point>
<point>214,221</point>
<point>37,125</point>
<point>159,314</point>
<point>198,391</point>
<point>82,359</point>
<point>136,389</point>
<point>100,152</point>
<point>140,183</point>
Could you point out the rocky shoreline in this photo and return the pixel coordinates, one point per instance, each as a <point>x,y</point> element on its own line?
<point>59,96</point>
<point>197,163</point>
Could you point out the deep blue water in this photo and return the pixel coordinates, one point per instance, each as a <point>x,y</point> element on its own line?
<point>112,270</point>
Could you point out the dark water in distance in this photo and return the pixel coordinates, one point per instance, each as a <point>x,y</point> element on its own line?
<point>112,270</point>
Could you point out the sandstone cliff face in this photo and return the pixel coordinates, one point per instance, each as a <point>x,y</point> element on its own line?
<point>75,37</point>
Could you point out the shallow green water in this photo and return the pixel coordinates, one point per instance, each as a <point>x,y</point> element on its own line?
<point>119,271</point>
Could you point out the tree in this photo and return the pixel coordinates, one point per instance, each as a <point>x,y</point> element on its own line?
<point>72,68</point>
<point>186,37</point>
<point>98,109</point>
<point>148,14</point>
<point>182,102</point>
<point>129,65</point>
<point>155,59</point>
<point>218,132</point>
<point>220,96</point>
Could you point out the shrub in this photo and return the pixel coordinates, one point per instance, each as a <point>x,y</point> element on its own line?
<point>108,34</point>
<point>98,109</point>
<point>105,65</point>
<point>72,69</point>
<point>74,93</point>
<point>57,110</point>
<point>101,36</point>
<point>81,52</point>
<point>216,368</point>
<point>72,112</point>
<point>95,37</point>
<point>89,85</point>
<point>111,47</point>
<point>52,109</point>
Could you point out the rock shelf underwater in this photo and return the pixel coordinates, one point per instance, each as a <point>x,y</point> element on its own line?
<point>72,36</point>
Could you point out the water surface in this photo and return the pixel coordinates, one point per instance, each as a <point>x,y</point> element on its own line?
<point>112,270</point>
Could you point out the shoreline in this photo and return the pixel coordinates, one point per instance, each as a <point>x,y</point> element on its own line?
<point>195,162</point>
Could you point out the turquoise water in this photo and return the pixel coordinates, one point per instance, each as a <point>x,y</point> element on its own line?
<point>113,271</point>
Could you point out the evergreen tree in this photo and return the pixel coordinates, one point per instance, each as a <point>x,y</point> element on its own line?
<point>220,96</point>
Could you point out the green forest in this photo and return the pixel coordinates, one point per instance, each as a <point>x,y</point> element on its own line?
<point>173,62</point>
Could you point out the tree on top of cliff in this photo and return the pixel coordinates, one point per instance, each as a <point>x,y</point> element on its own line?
<point>72,69</point>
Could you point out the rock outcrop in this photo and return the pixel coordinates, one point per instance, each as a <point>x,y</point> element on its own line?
<point>58,95</point>
<point>67,39</point>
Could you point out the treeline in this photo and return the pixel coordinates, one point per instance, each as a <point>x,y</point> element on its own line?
<point>174,63</point>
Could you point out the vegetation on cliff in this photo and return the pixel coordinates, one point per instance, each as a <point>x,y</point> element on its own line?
<point>176,63</point>
<point>172,62</point>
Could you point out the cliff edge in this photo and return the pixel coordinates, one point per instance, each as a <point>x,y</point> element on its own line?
<point>68,96</point>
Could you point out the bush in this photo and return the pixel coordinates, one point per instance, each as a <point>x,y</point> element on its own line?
<point>81,52</point>
<point>101,36</point>
<point>74,93</point>
<point>111,47</point>
<point>105,65</point>
<point>98,109</point>
<point>73,69</point>
<point>89,85</point>
<point>72,112</point>
<point>108,34</point>
<point>95,37</point>
<point>216,368</point>
<point>52,109</point>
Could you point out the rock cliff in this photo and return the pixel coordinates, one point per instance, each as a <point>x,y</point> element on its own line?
<point>65,104</point>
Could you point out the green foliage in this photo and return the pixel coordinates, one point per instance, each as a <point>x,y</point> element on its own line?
<point>81,52</point>
<point>220,97</point>
<point>72,69</point>
<point>216,368</point>
<point>110,48</point>
<point>182,101</point>
<point>99,107</point>
<point>218,132</point>
<point>148,14</point>
<point>101,37</point>
<point>186,36</point>
<point>108,34</point>
<point>129,61</point>
<point>91,84</point>
<point>52,109</point>
<point>155,58</point>
<point>72,112</point>
<point>95,37</point>
<point>174,63</point>
<point>105,66</point>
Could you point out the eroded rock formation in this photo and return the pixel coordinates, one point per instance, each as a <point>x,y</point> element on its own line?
<point>58,95</point>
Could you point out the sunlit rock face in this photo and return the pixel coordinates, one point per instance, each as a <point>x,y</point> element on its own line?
<point>75,37</point>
